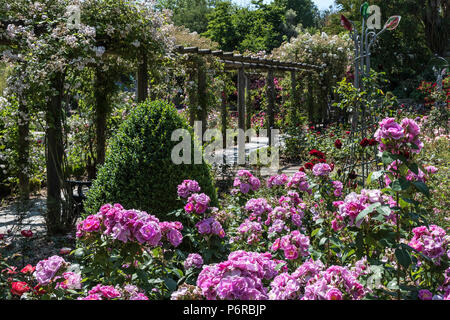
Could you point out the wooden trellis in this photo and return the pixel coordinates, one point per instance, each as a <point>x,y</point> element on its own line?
<point>239,62</point>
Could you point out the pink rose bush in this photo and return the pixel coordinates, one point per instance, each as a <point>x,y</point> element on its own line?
<point>398,138</point>
<point>432,241</point>
<point>239,278</point>
<point>246,182</point>
<point>130,226</point>
<point>311,281</point>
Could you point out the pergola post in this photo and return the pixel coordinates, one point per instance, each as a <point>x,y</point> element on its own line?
<point>294,95</point>
<point>241,98</point>
<point>223,111</point>
<point>142,79</point>
<point>202,94</point>
<point>271,103</point>
<point>54,157</point>
<point>248,104</point>
<point>192,94</point>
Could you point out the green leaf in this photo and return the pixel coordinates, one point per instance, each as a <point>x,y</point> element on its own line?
<point>413,167</point>
<point>400,184</point>
<point>422,187</point>
<point>387,157</point>
<point>384,210</point>
<point>323,240</point>
<point>170,283</point>
<point>403,257</point>
<point>366,211</point>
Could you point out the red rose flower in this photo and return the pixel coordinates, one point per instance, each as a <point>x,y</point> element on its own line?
<point>322,160</point>
<point>317,153</point>
<point>309,165</point>
<point>27,233</point>
<point>338,144</point>
<point>352,175</point>
<point>364,142</point>
<point>347,132</point>
<point>19,288</point>
<point>301,169</point>
<point>373,142</point>
<point>28,269</point>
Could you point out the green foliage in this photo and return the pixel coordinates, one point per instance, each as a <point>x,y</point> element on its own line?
<point>138,171</point>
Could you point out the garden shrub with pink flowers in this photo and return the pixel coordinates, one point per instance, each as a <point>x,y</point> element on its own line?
<point>309,236</point>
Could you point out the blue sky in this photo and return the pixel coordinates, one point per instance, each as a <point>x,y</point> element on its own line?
<point>321,4</point>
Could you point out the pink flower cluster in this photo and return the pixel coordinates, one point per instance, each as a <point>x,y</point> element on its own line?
<point>287,286</point>
<point>321,169</point>
<point>246,182</point>
<point>47,269</point>
<point>299,181</point>
<point>71,281</point>
<point>432,241</point>
<point>187,188</point>
<point>278,180</point>
<point>354,203</point>
<point>257,207</point>
<point>197,203</point>
<point>311,282</point>
<point>210,226</point>
<point>105,292</point>
<point>294,245</point>
<point>130,225</point>
<point>238,278</point>
<point>394,137</point>
<point>194,260</point>
<point>337,186</point>
<point>250,230</point>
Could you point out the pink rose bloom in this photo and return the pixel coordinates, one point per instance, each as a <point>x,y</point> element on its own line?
<point>91,224</point>
<point>291,252</point>
<point>334,294</point>
<point>321,169</point>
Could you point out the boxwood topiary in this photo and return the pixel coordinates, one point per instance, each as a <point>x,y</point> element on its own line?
<point>138,171</point>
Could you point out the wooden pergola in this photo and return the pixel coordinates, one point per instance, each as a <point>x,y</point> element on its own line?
<point>241,63</point>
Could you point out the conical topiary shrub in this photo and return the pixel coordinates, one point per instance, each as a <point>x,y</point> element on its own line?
<point>138,171</point>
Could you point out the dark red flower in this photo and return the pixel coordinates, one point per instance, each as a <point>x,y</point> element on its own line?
<point>331,134</point>
<point>347,132</point>
<point>373,142</point>
<point>338,144</point>
<point>301,169</point>
<point>322,160</point>
<point>38,289</point>
<point>27,233</point>
<point>19,288</point>
<point>317,153</point>
<point>364,142</point>
<point>332,166</point>
<point>352,175</point>
<point>309,165</point>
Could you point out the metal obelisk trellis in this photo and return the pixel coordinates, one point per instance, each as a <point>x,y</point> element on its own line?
<point>362,116</point>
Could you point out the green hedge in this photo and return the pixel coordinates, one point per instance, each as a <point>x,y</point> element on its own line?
<point>138,171</point>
